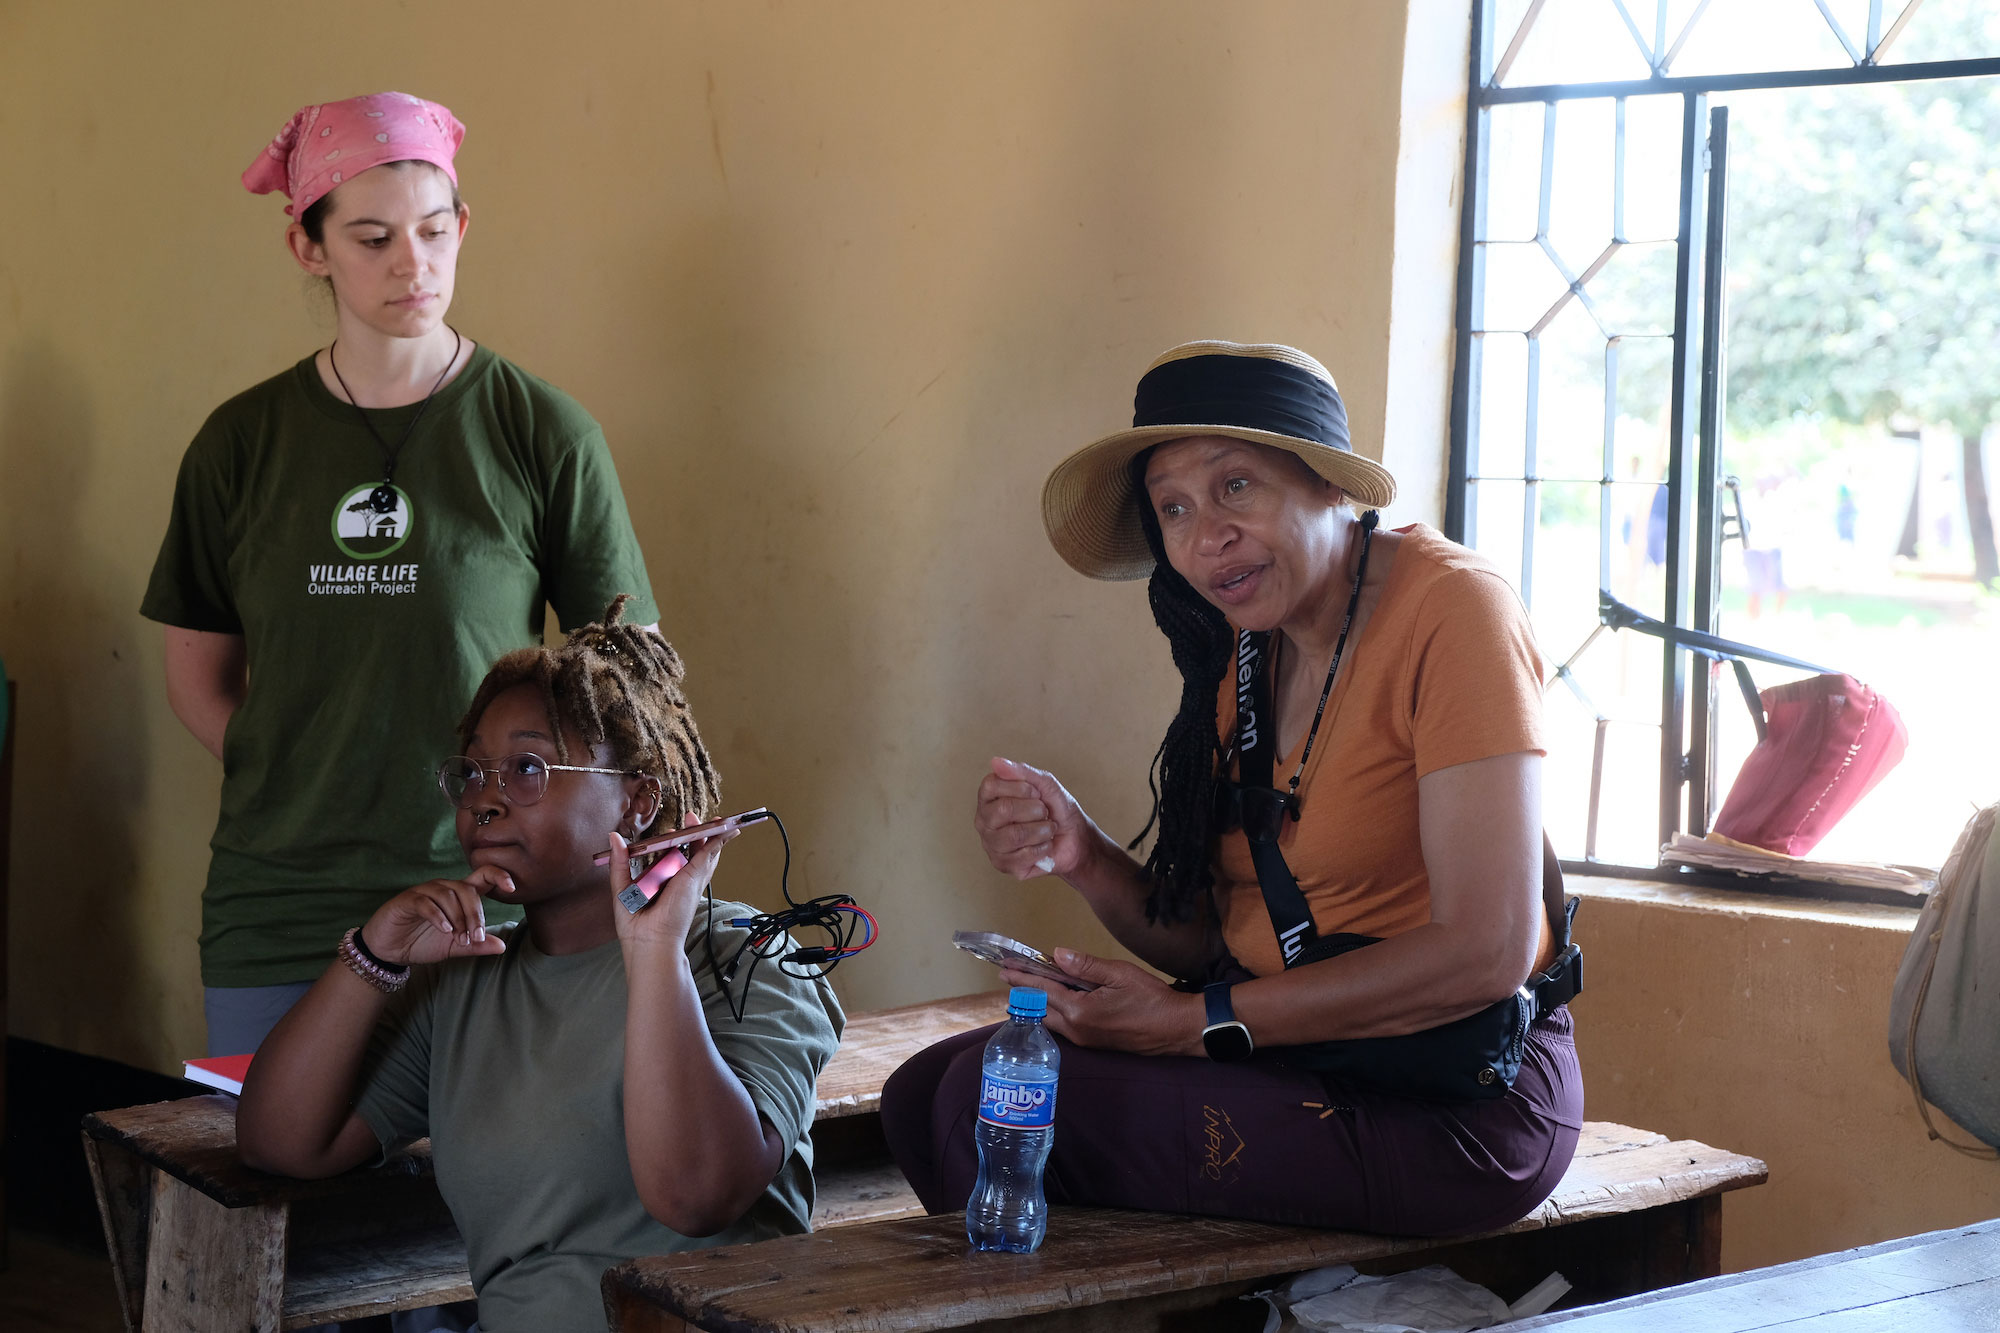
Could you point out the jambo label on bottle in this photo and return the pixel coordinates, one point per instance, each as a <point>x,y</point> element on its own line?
<point>1017,1105</point>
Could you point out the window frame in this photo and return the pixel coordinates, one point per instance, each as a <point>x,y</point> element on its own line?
<point>1687,758</point>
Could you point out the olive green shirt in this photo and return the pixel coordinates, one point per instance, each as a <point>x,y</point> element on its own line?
<point>367,632</point>
<point>515,1066</point>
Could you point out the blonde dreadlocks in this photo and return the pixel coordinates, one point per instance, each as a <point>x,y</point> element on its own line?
<point>617,685</point>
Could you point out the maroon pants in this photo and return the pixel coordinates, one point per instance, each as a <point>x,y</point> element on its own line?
<point>1259,1140</point>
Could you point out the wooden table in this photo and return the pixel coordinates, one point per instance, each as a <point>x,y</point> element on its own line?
<point>201,1242</point>
<point>1944,1280</point>
<point>1633,1213</point>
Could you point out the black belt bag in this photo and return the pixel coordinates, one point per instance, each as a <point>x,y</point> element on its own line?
<point>1470,1058</point>
<point>1477,1056</point>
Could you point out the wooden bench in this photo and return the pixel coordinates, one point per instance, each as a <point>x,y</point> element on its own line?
<point>855,1180</point>
<point>201,1242</point>
<point>1634,1213</point>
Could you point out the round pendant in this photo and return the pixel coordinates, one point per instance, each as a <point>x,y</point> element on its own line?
<point>382,499</point>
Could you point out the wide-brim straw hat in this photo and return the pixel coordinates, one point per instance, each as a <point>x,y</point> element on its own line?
<point>1266,393</point>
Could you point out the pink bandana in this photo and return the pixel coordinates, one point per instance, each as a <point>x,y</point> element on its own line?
<point>334,141</point>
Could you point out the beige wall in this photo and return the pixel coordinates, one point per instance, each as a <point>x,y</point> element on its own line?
<point>840,280</point>
<point>1761,1026</point>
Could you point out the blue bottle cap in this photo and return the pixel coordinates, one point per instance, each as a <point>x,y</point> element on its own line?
<point>1027,1002</point>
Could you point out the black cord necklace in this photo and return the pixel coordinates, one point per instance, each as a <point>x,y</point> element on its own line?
<point>383,498</point>
<point>1367,523</point>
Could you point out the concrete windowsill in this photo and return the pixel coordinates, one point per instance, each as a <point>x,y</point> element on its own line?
<point>1728,902</point>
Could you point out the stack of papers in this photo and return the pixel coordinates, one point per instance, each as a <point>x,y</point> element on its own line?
<point>1716,852</point>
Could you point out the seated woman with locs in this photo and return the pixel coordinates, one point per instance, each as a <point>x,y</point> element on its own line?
<point>588,1095</point>
<point>1350,874</point>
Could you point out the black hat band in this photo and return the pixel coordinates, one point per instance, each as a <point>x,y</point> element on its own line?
<point>1247,392</point>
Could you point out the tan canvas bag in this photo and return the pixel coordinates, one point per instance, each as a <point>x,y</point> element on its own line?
<point>1944,1015</point>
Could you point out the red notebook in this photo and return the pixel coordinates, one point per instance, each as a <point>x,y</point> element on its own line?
<point>222,1071</point>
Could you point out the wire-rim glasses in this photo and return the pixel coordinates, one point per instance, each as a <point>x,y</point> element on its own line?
<point>523,778</point>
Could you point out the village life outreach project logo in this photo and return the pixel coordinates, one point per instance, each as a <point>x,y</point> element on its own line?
<point>367,537</point>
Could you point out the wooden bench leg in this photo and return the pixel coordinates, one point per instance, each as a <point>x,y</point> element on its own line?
<point>626,1313</point>
<point>123,1183</point>
<point>1660,1247</point>
<point>213,1268</point>
<point>1704,1238</point>
<point>1604,1258</point>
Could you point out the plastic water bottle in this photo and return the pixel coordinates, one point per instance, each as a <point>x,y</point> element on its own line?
<point>1017,1115</point>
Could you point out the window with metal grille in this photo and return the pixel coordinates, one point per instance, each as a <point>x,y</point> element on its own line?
<point>1756,408</point>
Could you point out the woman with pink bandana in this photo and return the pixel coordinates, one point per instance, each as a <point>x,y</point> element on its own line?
<point>351,543</point>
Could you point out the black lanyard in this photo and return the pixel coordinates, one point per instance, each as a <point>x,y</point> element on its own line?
<point>1256,749</point>
<point>382,499</point>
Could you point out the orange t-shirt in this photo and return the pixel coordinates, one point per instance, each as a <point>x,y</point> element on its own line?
<point>1445,672</point>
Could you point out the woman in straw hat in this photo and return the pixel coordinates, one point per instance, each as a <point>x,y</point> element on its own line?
<point>351,542</point>
<point>1349,876</point>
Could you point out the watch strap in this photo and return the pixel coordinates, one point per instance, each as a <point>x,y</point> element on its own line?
<point>1216,998</point>
<point>1226,1038</point>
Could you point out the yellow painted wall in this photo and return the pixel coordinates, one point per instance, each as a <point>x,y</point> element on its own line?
<point>1761,1026</point>
<point>841,280</point>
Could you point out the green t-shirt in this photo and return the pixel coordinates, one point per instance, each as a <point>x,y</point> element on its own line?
<point>514,1065</point>
<point>367,633</point>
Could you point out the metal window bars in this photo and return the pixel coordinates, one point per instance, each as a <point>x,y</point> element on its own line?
<point>1695,401</point>
<point>1660,56</point>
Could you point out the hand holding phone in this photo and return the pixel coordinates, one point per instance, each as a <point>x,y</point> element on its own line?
<point>1001,951</point>
<point>646,880</point>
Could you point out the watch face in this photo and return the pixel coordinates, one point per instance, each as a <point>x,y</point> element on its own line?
<point>1227,1042</point>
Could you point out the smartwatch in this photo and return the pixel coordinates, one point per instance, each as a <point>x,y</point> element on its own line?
<point>1225,1038</point>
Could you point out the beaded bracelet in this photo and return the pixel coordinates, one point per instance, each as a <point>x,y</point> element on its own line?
<point>361,947</point>
<point>370,969</point>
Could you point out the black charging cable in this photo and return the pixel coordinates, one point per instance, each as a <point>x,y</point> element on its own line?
<point>769,935</point>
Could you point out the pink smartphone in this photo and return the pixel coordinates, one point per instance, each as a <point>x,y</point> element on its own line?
<point>682,836</point>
